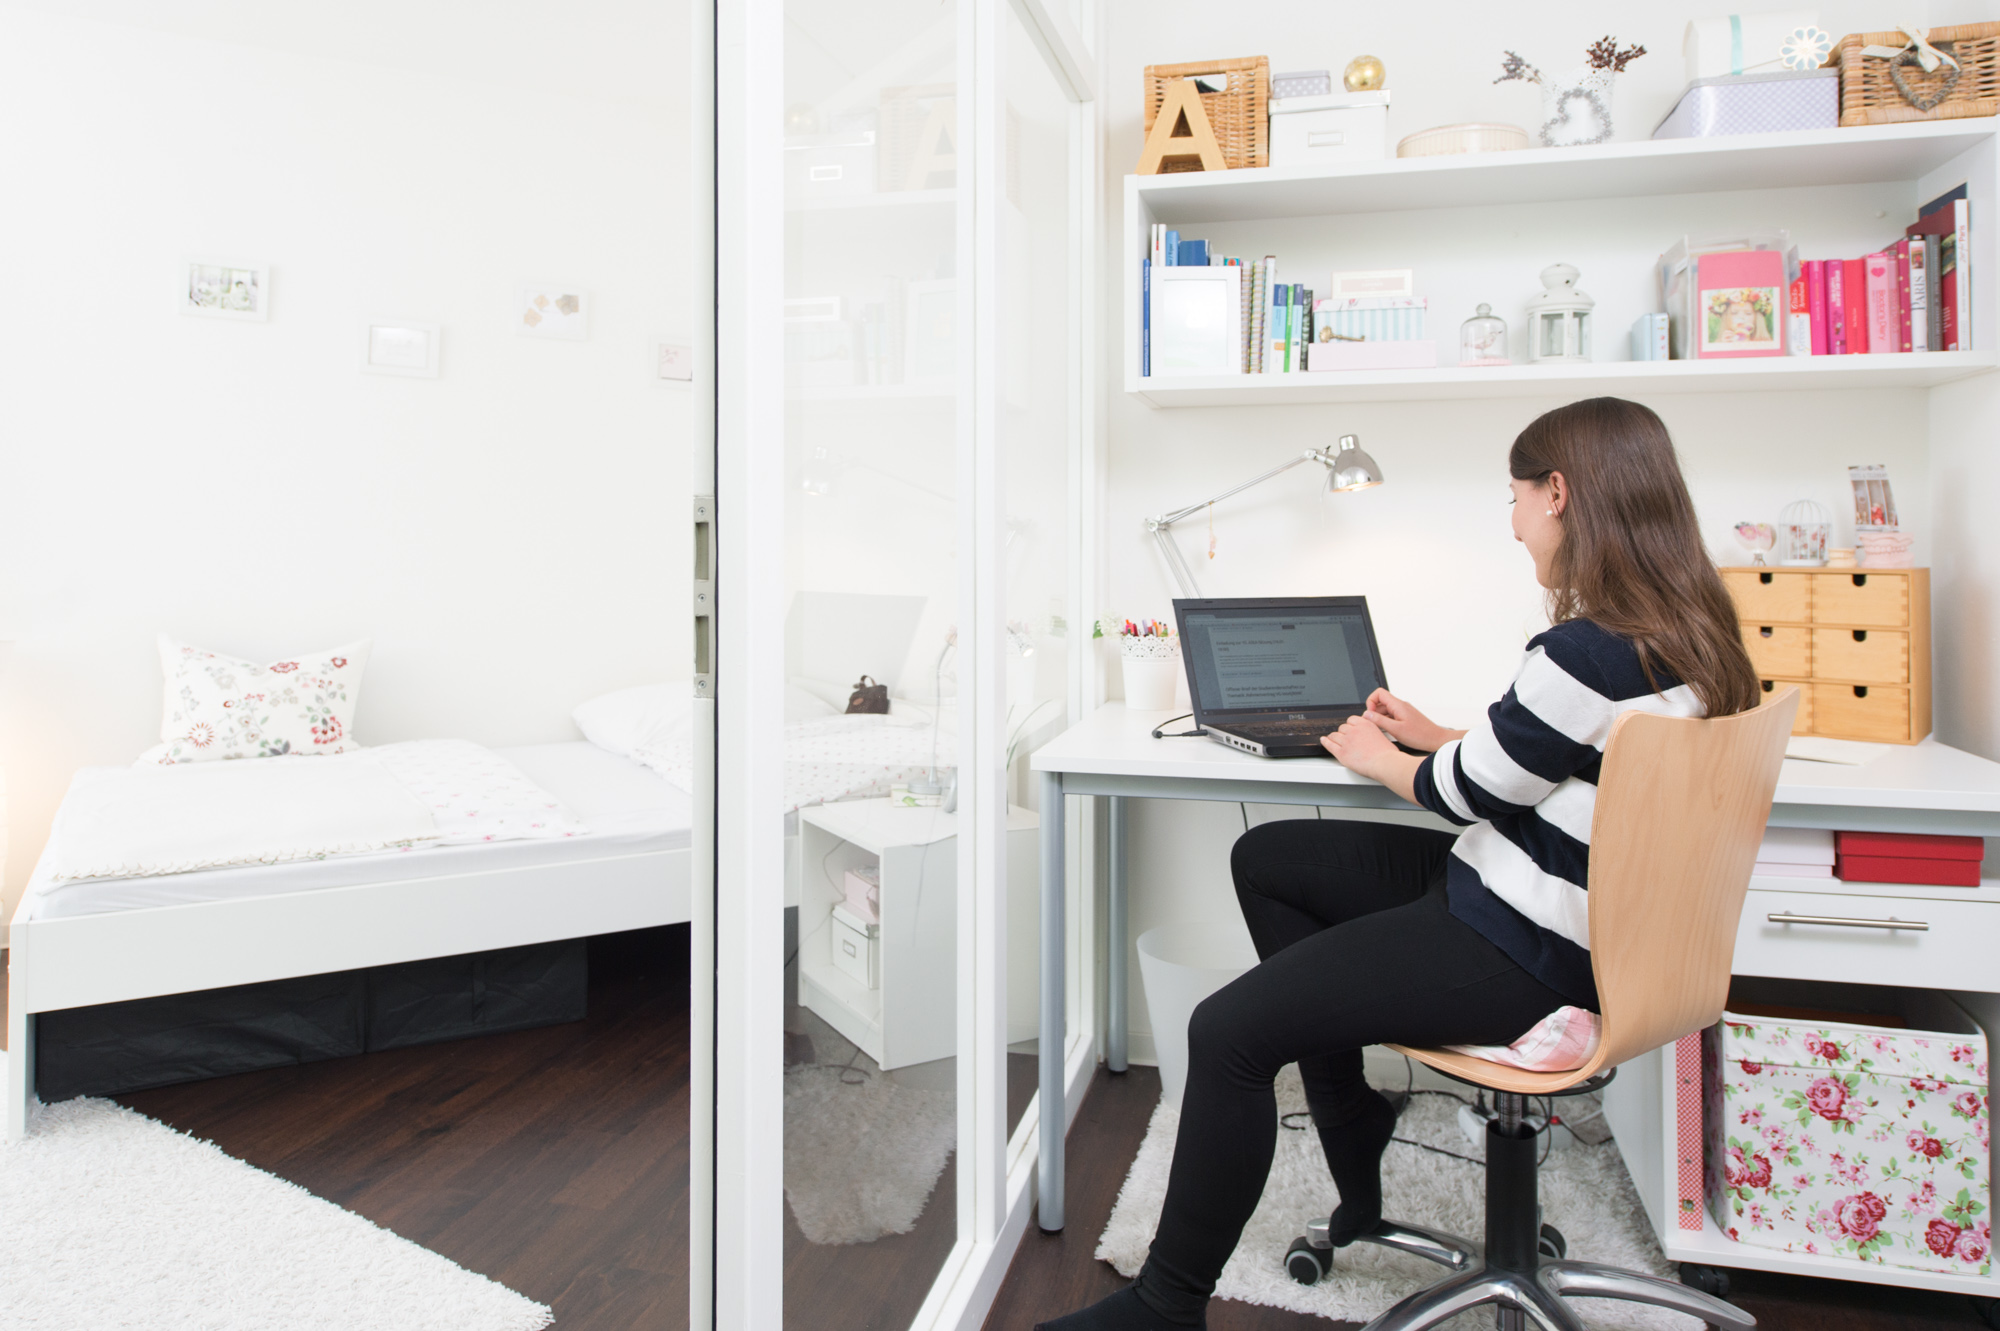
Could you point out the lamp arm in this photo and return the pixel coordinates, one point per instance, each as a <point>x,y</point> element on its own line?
<point>1160,526</point>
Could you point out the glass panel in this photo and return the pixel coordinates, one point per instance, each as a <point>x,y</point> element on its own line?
<point>871,372</point>
<point>1037,291</point>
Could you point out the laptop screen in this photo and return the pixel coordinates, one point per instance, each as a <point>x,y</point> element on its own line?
<point>1300,655</point>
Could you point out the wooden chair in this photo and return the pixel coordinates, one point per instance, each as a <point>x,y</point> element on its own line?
<point>1681,808</point>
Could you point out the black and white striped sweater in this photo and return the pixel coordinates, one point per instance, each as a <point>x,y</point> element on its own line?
<point>1524,783</point>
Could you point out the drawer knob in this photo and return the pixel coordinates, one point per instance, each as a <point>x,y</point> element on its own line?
<point>1860,579</point>
<point>1861,635</point>
<point>1766,631</point>
<point>1764,578</point>
<point>1860,690</point>
<point>1848,922</point>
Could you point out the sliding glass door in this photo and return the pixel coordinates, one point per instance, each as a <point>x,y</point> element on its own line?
<point>901,261</point>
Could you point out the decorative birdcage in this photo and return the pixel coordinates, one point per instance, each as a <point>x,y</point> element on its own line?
<point>1803,529</point>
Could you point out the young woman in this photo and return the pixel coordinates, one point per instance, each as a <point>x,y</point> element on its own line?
<point>1371,932</point>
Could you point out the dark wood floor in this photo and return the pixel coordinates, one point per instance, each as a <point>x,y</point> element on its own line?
<point>1055,1273</point>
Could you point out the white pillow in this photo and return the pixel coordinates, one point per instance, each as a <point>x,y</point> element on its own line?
<point>218,707</point>
<point>650,716</point>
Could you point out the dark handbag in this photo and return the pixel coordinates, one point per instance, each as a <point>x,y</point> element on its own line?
<point>869,697</point>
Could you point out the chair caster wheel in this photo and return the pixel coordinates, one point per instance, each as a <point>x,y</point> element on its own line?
<point>1708,1279</point>
<point>1306,1264</point>
<point>1986,1310</point>
<point>1552,1245</point>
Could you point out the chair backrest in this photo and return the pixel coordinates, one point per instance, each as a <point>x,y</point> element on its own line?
<point>1681,808</point>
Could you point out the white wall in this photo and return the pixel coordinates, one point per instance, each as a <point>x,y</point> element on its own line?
<point>509,534</point>
<point>1453,597</point>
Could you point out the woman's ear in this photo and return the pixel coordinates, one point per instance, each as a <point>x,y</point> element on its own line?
<point>1558,493</point>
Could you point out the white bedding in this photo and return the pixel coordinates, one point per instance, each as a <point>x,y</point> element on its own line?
<point>834,757</point>
<point>627,809</point>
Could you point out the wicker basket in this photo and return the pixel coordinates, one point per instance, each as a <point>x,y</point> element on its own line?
<point>1868,93</point>
<point>1237,114</point>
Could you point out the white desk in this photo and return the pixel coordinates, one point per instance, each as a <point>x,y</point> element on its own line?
<point>1920,788</point>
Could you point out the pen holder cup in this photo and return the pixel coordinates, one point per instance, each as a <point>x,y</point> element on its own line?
<point>1152,672</point>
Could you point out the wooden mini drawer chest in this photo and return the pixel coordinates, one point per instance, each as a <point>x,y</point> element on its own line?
<point>1856,641</point>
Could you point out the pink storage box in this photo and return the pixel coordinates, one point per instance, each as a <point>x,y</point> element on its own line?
<point>862,888</point>
<point>1417,355</point>
<point>1845,1140</point>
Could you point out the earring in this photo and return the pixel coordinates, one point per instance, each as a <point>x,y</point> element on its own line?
<point>1548,512</point>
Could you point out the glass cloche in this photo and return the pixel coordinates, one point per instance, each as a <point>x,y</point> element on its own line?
<point>1482,339</point>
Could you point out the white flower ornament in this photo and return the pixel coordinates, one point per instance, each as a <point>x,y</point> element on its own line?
<point>1805,48</point>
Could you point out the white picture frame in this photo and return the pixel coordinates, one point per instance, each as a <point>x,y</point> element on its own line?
<point>930,333</point>
<point>1197,315</point>
<point>670,361</point>
<point>215,289</point>
<point>555,310</point>
<point>404,348</point>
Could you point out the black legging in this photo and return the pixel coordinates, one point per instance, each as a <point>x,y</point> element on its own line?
<point>1358,948</point>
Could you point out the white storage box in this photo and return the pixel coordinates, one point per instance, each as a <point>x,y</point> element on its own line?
<point>863,886</point>
<point>855,952</point>
<point>1342,127</point>
<point>1740,43</point>
<point>1767,103</point>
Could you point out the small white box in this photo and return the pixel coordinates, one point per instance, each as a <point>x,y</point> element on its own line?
<point>1341,127</point>
<point>863,887</point>
<point>854,948</point>
<point>1740,43</point>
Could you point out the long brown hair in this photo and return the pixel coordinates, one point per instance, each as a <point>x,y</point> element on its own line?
<point>1631,558</point>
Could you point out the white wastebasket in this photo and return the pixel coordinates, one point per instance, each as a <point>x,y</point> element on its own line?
<point>1180,964</point>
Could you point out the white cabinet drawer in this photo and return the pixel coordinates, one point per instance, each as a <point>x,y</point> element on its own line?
<point>1957,951</point>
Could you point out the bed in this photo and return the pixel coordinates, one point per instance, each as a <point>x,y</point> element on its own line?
<point>91,941</point>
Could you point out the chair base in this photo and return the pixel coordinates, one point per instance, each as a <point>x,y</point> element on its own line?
<point>1535,1299</point>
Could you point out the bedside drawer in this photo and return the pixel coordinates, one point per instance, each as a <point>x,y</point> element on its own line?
<point>1861,598</point>
<point>1877,655</point>
<point>1762,594</point>
<point>1956,952</point>
<point>1879,712</point>
<point>1801,723</point>
<point>1779,649</point>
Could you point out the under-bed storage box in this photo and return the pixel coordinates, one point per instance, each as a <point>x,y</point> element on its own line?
<point>113,1048</point>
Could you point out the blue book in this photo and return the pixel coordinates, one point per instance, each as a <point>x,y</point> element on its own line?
<point>1193,254</point>
<point>1173,248</point>
<point>1145,318</point>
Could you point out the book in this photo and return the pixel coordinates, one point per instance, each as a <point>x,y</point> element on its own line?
<point>1798,336</point>
<point>1308,325</point>
<point>1248,293</point>
<point>1816,306</point>
<point>1741,304</point>
<point>1854,293</point>
<point>1274,338</point>
<point>1881,308</point>
<point>1933,295</point>
<point>1649,337</point>
<point>1173,248</point>
<point>1145,318</point>
<point>1899,270</point>
<point>1260,312</point>
<point>1293,345</point>
<point>1916,328</point>
<point>1948,219</point>
<point>1836,306</point>
<point>1191,254</point>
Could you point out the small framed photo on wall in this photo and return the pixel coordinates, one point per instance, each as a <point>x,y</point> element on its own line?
<point>552,309</point>
<point>672,361</point>
<point>217,290</point>
<point>401,347</point>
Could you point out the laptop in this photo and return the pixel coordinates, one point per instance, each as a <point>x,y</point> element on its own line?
<point>1270,675</point>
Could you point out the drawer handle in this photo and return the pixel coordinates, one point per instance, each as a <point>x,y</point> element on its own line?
<point>1848,922</point>
<point>1860,579</point>
<point>1860,690</point>
<point>1861,635</point>
<point>1764,579</point>
<point>1766,632</point>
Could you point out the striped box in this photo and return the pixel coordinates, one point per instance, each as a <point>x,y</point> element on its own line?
<point>1372,318</point>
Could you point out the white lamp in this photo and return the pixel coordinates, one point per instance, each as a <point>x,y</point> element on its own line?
<point>1559,318</point>
<point>1349,469</point>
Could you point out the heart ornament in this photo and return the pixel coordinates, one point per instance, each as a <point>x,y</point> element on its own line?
<point>1910,55</point>
<point>1560,130</point>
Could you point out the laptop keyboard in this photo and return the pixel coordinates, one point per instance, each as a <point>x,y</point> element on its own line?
<point>1268,730</point>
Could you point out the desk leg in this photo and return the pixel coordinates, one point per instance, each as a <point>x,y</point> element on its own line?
<point>1049,1166</point>
<point>1115,945</point>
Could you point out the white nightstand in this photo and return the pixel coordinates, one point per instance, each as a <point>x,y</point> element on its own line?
<point>912,1016</point>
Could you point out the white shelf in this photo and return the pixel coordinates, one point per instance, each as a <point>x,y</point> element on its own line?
<point>1542,175</point>
<point>1768,374</point>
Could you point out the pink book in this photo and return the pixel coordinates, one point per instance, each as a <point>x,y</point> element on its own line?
<point>1854,296</point>
<point>1816,305</point>
<point>1689,1134</point>
<point>1880,269</point>
<point>1836,306</point>
<point>1900,258</point>
<point>1742,302</point>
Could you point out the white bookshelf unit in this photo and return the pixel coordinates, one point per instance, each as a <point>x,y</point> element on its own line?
<point>1480,227</point>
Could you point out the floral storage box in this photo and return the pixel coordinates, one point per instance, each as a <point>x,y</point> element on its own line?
<point>1854,1141</point>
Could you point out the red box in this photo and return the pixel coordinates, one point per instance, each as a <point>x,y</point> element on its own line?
<point>1907,857</point>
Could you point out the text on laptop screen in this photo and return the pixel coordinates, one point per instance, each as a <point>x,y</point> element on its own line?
<point>1297,661</point>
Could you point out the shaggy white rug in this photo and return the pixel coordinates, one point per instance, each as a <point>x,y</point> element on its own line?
<point>111,1219</point>
<point>1585,1193</point>
<point>861,1155</point>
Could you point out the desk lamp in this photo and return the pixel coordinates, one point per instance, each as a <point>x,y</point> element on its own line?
<point>1350,469</point>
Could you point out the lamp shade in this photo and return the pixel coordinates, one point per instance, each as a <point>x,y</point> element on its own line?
<point>1352,468</point>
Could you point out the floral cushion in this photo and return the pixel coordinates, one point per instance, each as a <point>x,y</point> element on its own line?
<point>220,707</point>
<point>1851,1141</point>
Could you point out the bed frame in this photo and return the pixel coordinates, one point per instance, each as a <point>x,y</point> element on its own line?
<point>107,958</point>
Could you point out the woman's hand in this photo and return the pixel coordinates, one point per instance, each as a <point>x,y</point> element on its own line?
<point>1406,725</point>
<point>1362,747</point>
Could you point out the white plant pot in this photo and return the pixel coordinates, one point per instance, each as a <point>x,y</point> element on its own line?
<point>1150,682</point>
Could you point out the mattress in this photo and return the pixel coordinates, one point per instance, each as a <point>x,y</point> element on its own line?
<point>628,809</point>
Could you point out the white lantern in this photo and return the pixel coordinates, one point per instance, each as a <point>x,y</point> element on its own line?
<point>1559,318</point>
